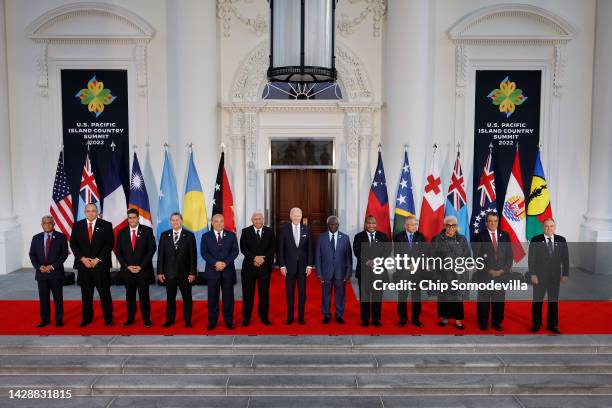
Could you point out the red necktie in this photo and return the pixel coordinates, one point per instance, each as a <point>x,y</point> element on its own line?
<point>494,240</point>
<point>90,231</point>
<point>133,239</point>
<point>47,247</point>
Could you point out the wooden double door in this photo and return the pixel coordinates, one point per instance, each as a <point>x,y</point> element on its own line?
<point>312,190</point>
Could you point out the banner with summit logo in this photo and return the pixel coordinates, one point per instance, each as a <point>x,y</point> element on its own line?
<point>95,119</point>
<point>506,115</point>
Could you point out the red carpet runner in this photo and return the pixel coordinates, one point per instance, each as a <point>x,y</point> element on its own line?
<point>21,316</point>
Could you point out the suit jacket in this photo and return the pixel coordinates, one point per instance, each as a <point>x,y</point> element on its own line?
<point>58,252</point>
<point>376,251</point>
<point>294,258</point>
<point>332,264</point>
<point>419,248</point>
<point>142,254</point>
<point>545,266</point>
<point>500,259</point>
<point>252,246</point>
<point>177,261</point>
<point>213,253</point>
<point>100,247</point>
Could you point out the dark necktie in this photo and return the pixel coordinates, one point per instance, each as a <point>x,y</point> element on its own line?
<point>333,243</point>
<point>218,239</point>
<point>176,238</point>
<point>410,239</point>
<point>47,247</point>
<point>550,246</point>
<point>258,234</point>
<point>371,238</point>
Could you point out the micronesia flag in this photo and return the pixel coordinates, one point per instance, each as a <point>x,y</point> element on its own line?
<point>195,218</point>
<point>404,201</point>
<point>378,200</point>
<point>485,199</point>
<point>139,199</point>
<point>456,200</point>
<point>88,191</point>
<point>168,197</point>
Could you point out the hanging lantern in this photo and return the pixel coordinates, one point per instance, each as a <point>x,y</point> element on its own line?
<point>302,39</point>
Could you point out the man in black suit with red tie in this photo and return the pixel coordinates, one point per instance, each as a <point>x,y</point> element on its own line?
<point>135,250</point>
<point>92,242</point>
<point>177,267</point>
<point>295,258</point>
<point>548,268</point>
<point>48,251</point>
<point>493,246</point>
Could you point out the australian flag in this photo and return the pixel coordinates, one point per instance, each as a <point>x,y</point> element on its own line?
<point>378,200</point>
<point>485,198</point>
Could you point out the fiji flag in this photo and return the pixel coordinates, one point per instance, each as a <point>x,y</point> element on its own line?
<point>404,202</point>
<point>378,200</point>
<point>195,218</point>
<point>456,200</point>
<point>88,191</point>
<point>485,199</point>
<point>139,199</point>
<point>168,197</point>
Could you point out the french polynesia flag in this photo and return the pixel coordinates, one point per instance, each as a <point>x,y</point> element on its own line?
<point>223,201</point>
<point>513,213</point>
<point>432,207</point>
<point>378,200</point>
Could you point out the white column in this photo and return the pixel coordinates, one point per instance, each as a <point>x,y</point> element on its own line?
<point>407,97</point>
<point>597,226</point>
<point>10,232</point>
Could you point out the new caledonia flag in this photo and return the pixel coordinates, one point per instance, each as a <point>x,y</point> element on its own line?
<point>223,201</point>
<point>378,200</point>
<point>404,201</point>
<point>539,207</point>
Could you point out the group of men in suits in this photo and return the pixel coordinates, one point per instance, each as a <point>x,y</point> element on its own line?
<point>92,242</point>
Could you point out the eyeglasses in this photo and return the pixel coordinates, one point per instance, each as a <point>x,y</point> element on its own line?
<point>451,225</point>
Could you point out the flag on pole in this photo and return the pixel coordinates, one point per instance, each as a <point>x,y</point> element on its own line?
<point>378,200</point>
<point>61,201</point>
<point>195,218</point>
<point>513,213</point>
<point>115,203</point>
<point>404,201</point>
<point>539,207</point>
<point>432,207</point>
<point>223,201</point>
<point>487,199</point>
<point>88,190</point>
<point>456,200</point>
<point>139,199</point>
<point>168,197</point>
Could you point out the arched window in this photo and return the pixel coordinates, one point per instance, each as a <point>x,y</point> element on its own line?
<point>302,91</point>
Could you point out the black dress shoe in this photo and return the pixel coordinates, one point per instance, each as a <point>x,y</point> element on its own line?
<point>301,321</point>
<point>148,323</point>
<point>167,324</point>
<point>497,327</point>
<point>340,320</point>
<point>42,324</point>
<point>128,323</point>
<point>230,326</point>
<point>246,322</point>
<point>288,321</point>
<point>266,322</point>
<point>365,324</point>
<point>377,323</point>
<point>211,326</point>
<point>59,324</point>
<point>483,326</point>
<point>442,323</point>
<point>188,324</point>
<point>554,330</point>
<point>402,323</point>
<point>418,323</point>
<point>108,323</point>
<point>535,329</point>
<point>460,326</point>
<point>84,323</point>
<point>326,320</point>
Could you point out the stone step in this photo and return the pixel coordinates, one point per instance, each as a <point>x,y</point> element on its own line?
<point>308,364</point>
<point>328,385</point>
<point>216,345</point>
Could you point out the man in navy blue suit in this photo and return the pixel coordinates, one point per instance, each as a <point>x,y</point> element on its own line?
<point>219,249</point>
<point>48,251</point>
<point>334,265</point>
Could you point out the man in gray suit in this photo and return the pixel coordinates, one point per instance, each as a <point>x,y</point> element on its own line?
<point>334,265</point>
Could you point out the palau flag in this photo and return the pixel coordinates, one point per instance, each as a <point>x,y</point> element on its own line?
<point>539,207</point>
<point>404,201</point>
<point>195,218</point>
<point>456,200</point>
<point>88,190</point>
<point>168,197</point>
<point>139,199</point>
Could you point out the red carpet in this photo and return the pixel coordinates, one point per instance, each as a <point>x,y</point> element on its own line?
<point>21,316</point>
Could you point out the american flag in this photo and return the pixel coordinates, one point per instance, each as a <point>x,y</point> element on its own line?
<point>61,204</point>
<point>485,199</point>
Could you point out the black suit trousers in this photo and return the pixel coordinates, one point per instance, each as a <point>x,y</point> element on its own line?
<point>137,282</point>
<point>185,287</point>
<point>250,282</point>
<point>100,280</point>
<point>290,282</point>
<point>46,287</point>
<point>548,287</point>
<point>370,302</point>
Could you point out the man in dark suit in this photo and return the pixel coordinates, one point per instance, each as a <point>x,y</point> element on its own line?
<point>295,260</point>
<point>135,249</point>
<point>92,242</point>
<point>370,299</point>
<point>177,267</point>
<point>219,249</point>
<point>548,267</point>
<point>412,243</point>
<point>48,251</point>
<point>257,244</point>
<point>334,266</point>
<point>494,247</point>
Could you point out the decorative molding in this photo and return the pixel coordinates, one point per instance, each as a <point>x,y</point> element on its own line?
<point>559,69</point>
<point>251,76</point>
<point>43,69</point>
<point>377,8</point>
<point>300,106</point>
<point>461,60</point>
<point>227,10</point>
<point>250,132</point>
<point>140,61</point>
<point>353,133</point>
